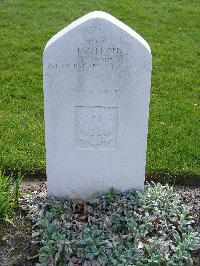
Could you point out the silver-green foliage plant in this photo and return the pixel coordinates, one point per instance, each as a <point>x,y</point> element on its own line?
<point>151,227</point>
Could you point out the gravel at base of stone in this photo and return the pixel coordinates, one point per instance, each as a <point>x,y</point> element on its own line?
<point>38,196</point>
<point>37,203</point>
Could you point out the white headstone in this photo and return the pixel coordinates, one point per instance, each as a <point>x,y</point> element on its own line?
<point>97,74</point>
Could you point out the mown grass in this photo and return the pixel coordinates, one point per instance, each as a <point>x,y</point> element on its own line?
<point>172,29</point>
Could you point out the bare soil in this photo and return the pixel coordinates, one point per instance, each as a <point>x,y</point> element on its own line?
<point>16,247</point>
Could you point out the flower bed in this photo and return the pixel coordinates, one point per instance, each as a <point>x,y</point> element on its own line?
<point>133,228</point>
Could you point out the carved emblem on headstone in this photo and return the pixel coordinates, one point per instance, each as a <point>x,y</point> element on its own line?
<point>95,126</point>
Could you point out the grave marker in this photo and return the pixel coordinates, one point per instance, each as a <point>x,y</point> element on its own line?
<point>97,74</point>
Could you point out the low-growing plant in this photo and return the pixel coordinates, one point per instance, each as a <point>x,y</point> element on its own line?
<point>9,195</point>
<point>150,228</point>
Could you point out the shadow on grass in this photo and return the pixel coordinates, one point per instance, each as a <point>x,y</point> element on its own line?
<point>170,178</point>
<point>184,179</point>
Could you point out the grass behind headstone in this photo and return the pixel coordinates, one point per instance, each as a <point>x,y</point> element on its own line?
<point>172,30</point>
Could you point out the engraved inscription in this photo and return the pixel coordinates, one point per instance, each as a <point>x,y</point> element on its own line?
<point>110,92</point>
<point>96,126</point>
<point>94,54</point>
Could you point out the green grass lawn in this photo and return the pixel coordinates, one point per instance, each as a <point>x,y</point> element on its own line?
<point>170,27</point>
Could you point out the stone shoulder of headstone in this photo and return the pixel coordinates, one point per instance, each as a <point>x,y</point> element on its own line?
<point>101,15</point>
<point>97,74</point>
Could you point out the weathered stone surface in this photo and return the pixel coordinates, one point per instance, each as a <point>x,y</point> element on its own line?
<point>97,74</point>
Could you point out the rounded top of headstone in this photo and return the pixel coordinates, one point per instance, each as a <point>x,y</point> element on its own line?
<point>101,15</point>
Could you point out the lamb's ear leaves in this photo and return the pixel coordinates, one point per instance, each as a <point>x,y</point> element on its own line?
<point>102,258</point>
<point>176,237</point>
<point>89,256</point>
<point>140,195</point>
